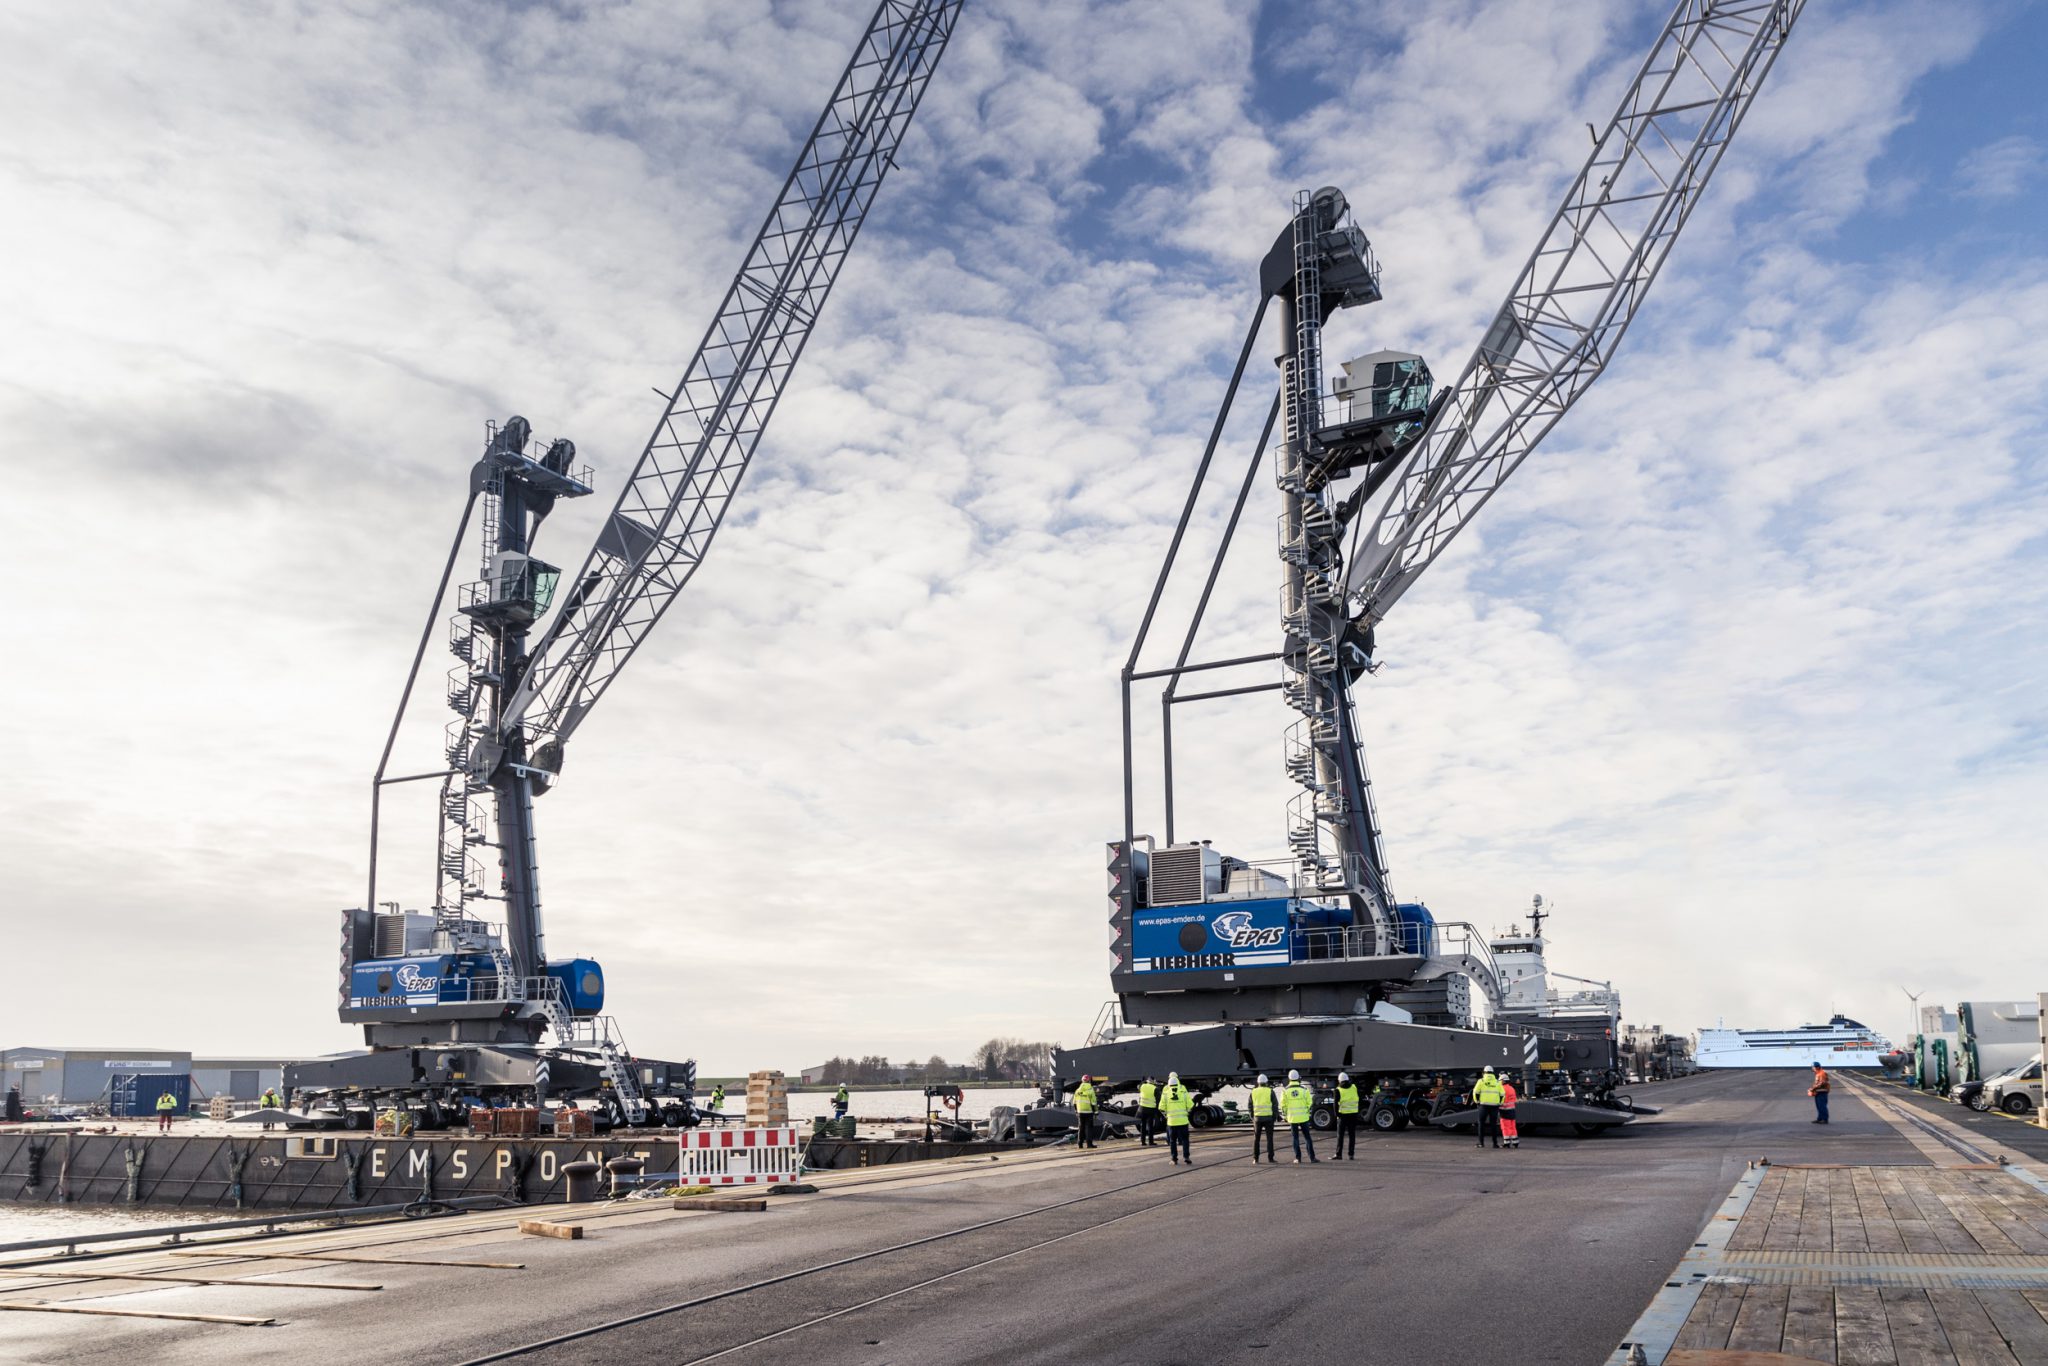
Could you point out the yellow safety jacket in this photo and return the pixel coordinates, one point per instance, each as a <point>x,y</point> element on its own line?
<point>167,1101</point>
<point>1084,1097</point>
<point>1487,1091</point>
<point>1148,1096</point>
<point>270,1101</point>
<point>1347,1100</point>
<point>1299,1103</point>
<point>1262,1102</point>
<point>1176,1101</point>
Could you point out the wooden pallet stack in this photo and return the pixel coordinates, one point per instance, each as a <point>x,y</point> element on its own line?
<point>767,1098</point>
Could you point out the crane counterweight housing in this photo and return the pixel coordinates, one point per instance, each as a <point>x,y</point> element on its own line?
<point>531,661</point>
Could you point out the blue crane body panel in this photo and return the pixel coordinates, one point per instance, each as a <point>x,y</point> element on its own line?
<point>445,979</point>
<point>1268,932</point>
<point>582,984</point>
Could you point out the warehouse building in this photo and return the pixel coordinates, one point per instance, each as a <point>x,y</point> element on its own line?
<point>81,1076</point>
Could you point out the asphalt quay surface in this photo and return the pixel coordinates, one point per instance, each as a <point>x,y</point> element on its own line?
<point>1427,1250</point>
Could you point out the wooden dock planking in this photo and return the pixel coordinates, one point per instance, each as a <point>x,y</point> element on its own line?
<point>1972,1336</point>
<point>1880,1226</point>
<point>2018,1322</point>
<point>1862,1333</point>
<point>1940,1212</point>
<point>1712,1319</point>
<point>1917,1339</point>
<point>1810,1322</point>
<point>1760,1319</point>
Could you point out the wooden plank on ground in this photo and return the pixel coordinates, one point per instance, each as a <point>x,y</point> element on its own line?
<point>1917,1339</point>
<point>1749,1231</point>
<point>1712,1317</point>
<point>1760,1322</point>
<point>1810,1322</point>
<point>1967,1205</point>
<point>36,1307</point>
<point>1782,1234</point>
<point>1972,1336</point>
<point>170,1279</point>
<point>254,1254</point>
<point>541,1228</point>
<point>723,1204</point>
<point>2018,1322</point>
<point>1862,1335</point>
<point>1879,1224</point>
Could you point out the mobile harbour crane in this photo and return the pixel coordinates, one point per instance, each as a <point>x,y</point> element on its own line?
<point>1224,966</point>
<point>458,1008</point>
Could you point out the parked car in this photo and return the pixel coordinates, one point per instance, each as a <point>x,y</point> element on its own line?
<point>2017,1092</point>
<point>1970,1093</point>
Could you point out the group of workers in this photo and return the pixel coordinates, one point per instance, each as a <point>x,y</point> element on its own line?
<point>1171,1108</point>
<point>167,1107</point>
<point>716,1104</point>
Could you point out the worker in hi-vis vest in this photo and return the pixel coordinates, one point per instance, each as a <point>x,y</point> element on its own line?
<point>1347,1115</point>
<point>1265,1108</point>
<point>1510,1133</point>
<point>1177,1105</point>
<point>166,1107</point>
<point>270,1100</point>
<point>717,1104</point>
<point>1298,1103</point>
<point>1488,1095</point>
<point>1819,1092</point>
<point>1148,1112</point>
<point>839,1102</point>
<point>1084,1114</point>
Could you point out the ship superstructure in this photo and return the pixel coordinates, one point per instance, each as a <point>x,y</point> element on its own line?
<point>1841,1042</point>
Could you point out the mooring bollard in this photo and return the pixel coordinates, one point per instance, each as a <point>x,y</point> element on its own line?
<point>579,1182</point>
<point>620,1168</point>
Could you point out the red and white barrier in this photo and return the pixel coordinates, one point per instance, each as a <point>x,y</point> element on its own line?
<point>738,1157</point>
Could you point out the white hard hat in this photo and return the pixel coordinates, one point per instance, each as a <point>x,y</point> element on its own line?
<point>1293,1075</point>
<point>1173,1076</point>
<point>1343,1076</point>
<point>1489,1071</point>
<point>1262,1079</point>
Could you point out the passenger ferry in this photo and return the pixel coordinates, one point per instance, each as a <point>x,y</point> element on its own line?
<point>1841,1042</point>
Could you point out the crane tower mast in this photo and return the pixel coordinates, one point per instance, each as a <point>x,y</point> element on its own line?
<point>524,681</point>
<point>1320,932</point>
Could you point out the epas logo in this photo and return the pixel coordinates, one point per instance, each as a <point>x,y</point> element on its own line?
<point>1235,928</point>
<point>412,979</point>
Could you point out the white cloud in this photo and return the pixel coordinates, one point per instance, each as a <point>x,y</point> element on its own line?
<point>2001,169</point>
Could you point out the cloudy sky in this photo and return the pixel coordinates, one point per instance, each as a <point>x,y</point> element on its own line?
<point>1743,671</point>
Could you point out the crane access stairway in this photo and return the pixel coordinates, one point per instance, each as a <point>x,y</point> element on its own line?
<point>591,1034</point>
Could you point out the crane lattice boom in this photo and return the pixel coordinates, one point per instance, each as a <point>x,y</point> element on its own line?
<point>1577,295</point>
<point>686,477</point>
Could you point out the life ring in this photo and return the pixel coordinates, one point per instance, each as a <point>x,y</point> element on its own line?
<point>951,1100</point>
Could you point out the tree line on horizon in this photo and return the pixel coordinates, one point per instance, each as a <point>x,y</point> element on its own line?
<point>1000,1059</point>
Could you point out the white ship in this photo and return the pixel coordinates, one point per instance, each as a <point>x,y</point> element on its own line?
<point>1841,1042</point>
